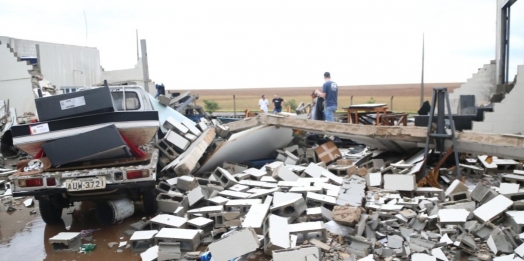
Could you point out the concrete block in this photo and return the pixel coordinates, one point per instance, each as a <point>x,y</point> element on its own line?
<point>180,212</point>
<point>337,229</point>
<point>204,211</point>
<point>492,208</point>
<point>204,224</point>
<point>66,241</point>
<point>463,195</point>
<point>139,225</point>
<point>165,220</point>
<point>172,124</point>
<point>224,177</point>
<point>186,183</point>
<point>306,253</point>
<point>237,244</point>
<point>241,205</point>
<point>314,199</point>
<point>169,251</point>
<point>400,182</point>
<point>268,179</point>
<point>479,192</point>
<point>308,230</point>
<point>260,184</point>
<point>285,174</point>
<point>189,239</point>
<point>291,209</point>
<point>169,202</point>
<point>453,216</point>
<point>256,218</point>
<point>218,200</point>
<point>314,170</point>
<point>142,240</point>
<point>176,140</point>
<point>314,214</point>
<point>195,195</point>
<point>234,194</point>
<point>374,179</point>
<point>239,188</point>
<point>256,174</point>
<point>454,187</point>
<point>192,127</point>
<point>509,188</point>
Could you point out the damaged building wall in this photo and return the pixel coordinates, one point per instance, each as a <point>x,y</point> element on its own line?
<point>135,75</point>
<point>15,81</point>
<point>23,48</point>
<point>481,84</point>
<point>506,117</point>
<point>67,65</point>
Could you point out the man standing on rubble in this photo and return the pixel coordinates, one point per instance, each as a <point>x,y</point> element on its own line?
<point>330,94</point>
<point>277,104</point>
<point>263,103</point>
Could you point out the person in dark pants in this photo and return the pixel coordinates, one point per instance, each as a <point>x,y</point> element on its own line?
<point>277,104</point>
<point>330,94</point>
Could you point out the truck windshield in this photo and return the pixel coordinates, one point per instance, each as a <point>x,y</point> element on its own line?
<point>132,101</point>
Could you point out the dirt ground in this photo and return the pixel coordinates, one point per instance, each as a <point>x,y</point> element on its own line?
<point>407,96</point>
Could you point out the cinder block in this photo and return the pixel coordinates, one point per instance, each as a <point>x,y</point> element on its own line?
<point>186,183</point>
<point>241,205</point>
<point>165,220</point>
<point>453,216</point>
<point>195,195</point>
<point>189,239</point>
<point>142,240</point>
<point>285,174</point>
<point>455,187</point>
<point>492,208</point>
<point>308,230</point>
<point>278,234</point>
<point>169,251</point>
<point>515,220</point>
<point>168,203</point>
<point>463,195</point>
<point>224,177</point>
<point>235,245</point>
<point>66,241</point>
<point>204,224</point>
<point>291,209</point>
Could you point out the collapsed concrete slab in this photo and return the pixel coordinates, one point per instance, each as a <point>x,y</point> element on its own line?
<point>352,191</point>
<point>256,218</point>
<point>492,208</point>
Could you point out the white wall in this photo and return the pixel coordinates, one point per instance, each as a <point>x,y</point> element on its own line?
<point>67,65</point>
<point>506,116</point>
<point>23,48</point>
<point>135,74</point>
<point>15,82</point>
<point>479,85</point>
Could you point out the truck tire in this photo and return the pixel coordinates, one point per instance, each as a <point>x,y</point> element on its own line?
<point>51,214</point>
<point>149,201</point>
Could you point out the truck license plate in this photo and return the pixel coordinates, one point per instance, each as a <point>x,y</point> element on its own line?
<point>86,184</point>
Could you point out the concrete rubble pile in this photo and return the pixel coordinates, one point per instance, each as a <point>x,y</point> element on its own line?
<point>319,202</point>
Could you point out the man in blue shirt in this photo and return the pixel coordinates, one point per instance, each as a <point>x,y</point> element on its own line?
<point>330,94</point>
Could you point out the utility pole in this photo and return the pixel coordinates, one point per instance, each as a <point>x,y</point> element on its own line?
<point>145,67</point>
<point>422,80</point>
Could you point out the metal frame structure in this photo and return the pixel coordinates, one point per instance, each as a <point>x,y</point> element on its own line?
<point>505,13</point>
<point>440,99</point>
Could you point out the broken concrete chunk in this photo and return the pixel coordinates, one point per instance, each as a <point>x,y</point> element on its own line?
<point>150,254</point>
<point>395,241</point>
<point>455,187</point>
<point>236,244</point>
<point>285,174</point>
<point>508,188</point>
<point>169,251</point>
<point>346,215</point>
<point>422,257</point>
<point>453,216</point>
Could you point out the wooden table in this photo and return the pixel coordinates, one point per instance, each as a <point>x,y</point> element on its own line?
<point>353,110</point>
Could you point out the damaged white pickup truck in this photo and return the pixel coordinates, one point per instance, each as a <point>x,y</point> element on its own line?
<point>112,181</point>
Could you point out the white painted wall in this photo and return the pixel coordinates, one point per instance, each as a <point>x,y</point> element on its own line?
<point>479,85</point>
<point>15,82</point>
<point>23,48</point>
<point>507,115</point>
<point>135,74</point>
<point>67,65</point>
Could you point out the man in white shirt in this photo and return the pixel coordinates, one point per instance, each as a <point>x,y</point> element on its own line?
<point>263,104</point>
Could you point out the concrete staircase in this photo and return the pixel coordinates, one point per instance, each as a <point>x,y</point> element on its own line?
<point>507,116</point>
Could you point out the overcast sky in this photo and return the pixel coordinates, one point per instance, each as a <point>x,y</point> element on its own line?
<point>243,44</point>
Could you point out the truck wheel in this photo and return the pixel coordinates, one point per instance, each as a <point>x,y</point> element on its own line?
<point>51,214</point>
<point>149,201</point>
